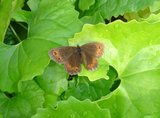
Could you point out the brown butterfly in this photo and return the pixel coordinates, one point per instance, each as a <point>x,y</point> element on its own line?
<point>73,57</point>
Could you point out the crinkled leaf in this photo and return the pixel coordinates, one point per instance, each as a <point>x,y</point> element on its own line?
<point>153,18</point>
<point>144,13</point>
<point>24,103</point>
<point>74,108</point>
<point>133,50</point>
<point>121,40</point>
<point>138,92</point>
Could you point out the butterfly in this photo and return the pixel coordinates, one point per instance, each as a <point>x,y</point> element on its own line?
<point>72,57</point>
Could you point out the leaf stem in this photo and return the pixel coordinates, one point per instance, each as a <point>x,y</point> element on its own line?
<point>12,29</point>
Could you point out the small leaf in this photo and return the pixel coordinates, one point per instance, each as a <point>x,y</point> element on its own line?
<point>53,81</point>
<point>84,5</point>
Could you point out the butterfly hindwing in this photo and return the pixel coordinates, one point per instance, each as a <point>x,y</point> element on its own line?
<point>89,62</point>
<point>90,53</point>
<point>73,64</point>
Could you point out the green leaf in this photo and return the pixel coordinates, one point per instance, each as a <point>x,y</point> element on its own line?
<point>96,18</point>
<point>138,92</point>
<point>153,18</point>
<point>120,45</point>
<point>133,50</point>
<point>141,14</point>
<point>24,103</point>
<point>54,20</point>
<point>84,5</point>
<point>155,7</point>
<point>146,60</point>
<point>29,58</point>
<point>22,16</point>
<point>53,81</point>
<point>109,8</point>
<point>22,62</point>
<point>7,8</point>
<point>5,11</point>
<point>81,88</point>
<point>73,108</point>
<point>33,4</point>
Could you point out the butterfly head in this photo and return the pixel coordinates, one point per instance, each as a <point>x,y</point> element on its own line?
<point>79,49</point>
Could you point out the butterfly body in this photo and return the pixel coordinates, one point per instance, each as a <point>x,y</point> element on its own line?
<point>79,51</point>
<point>72,57</point>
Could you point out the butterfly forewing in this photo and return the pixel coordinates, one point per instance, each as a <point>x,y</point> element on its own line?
<point>60,55</point>
<point>94,49</point>
<point>90,53</point>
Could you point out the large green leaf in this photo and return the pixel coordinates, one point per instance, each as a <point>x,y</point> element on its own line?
<point>24,103</point>
<point>139,91</point>
<point>133,49</point>
<point>122,41</point>
<point>29,58</point>
<point>22,62</point>
<point>72,108</point>
<point>54,20</point>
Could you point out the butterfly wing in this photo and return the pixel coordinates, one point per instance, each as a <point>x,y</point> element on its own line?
<point>60,55</point>
<point>73,64</point>
<point>90,52</point>
<point>69,56</point>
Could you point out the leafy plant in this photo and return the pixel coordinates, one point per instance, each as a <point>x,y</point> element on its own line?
<point>126,82</point>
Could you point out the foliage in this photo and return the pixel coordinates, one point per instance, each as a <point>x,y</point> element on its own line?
<point>126,82</point>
